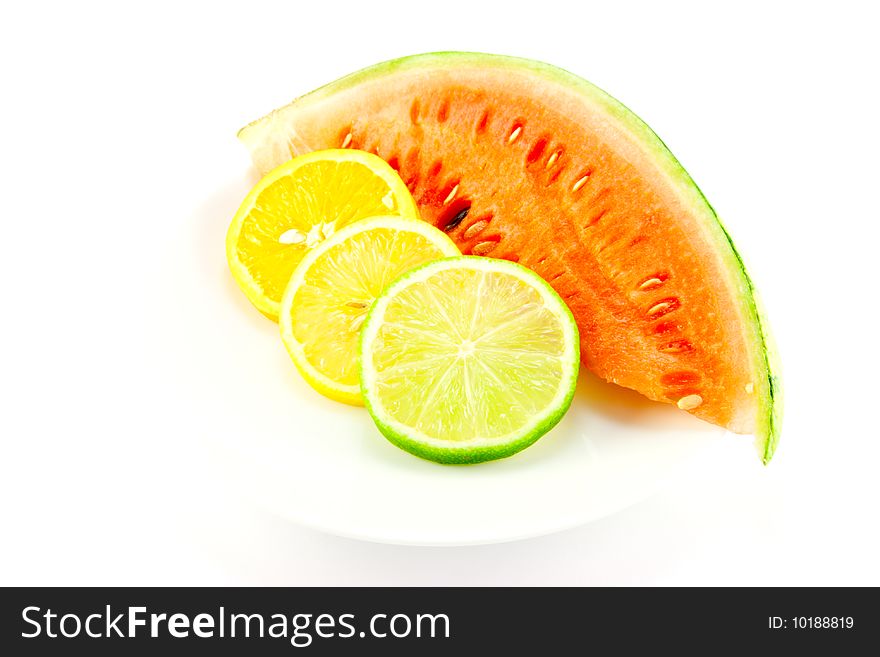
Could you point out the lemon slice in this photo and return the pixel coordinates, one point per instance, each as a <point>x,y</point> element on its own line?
<point>333,287</point>
<point>468,359</point>
<point>297,206</point>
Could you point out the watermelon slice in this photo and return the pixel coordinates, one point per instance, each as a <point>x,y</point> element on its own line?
<point>520,160</point>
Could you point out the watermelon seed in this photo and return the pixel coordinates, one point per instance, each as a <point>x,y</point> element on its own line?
<point>346,141</point>
<point>552,159</point>
<point>484,247</point>
<point>451,196</point>
<point>515,134</point>
<point>663,307</point>
<point>580,183</point>
<point>457,219</point>
<point>475,229</point>
<point>659,308</point>
<point>690,402</point>
<point>650,284</point>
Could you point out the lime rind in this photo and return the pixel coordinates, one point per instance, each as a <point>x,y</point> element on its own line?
<point>479,449</point>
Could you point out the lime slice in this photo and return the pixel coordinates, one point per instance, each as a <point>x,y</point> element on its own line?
<point>298,205</point>
<point>468,359</point>
<point>333,287</point>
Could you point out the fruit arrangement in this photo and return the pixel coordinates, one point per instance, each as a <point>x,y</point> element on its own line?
<point>583,239</point>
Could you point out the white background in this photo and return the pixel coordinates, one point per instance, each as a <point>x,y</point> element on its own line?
<point>117,124</point>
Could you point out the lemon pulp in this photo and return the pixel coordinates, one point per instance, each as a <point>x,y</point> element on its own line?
<point>300,204</point>
<point>332,289</point>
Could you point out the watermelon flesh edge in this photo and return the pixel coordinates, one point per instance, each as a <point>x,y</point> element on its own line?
<point>524,161</point>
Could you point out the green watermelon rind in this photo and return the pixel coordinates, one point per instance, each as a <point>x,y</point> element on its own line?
<point>769,423</point>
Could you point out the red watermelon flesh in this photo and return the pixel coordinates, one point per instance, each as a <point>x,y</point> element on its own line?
<point>523,161</point>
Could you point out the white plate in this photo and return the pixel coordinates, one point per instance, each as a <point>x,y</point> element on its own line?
<point>324,464</point>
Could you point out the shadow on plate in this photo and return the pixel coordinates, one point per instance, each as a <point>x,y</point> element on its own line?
<point>618,404</point>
